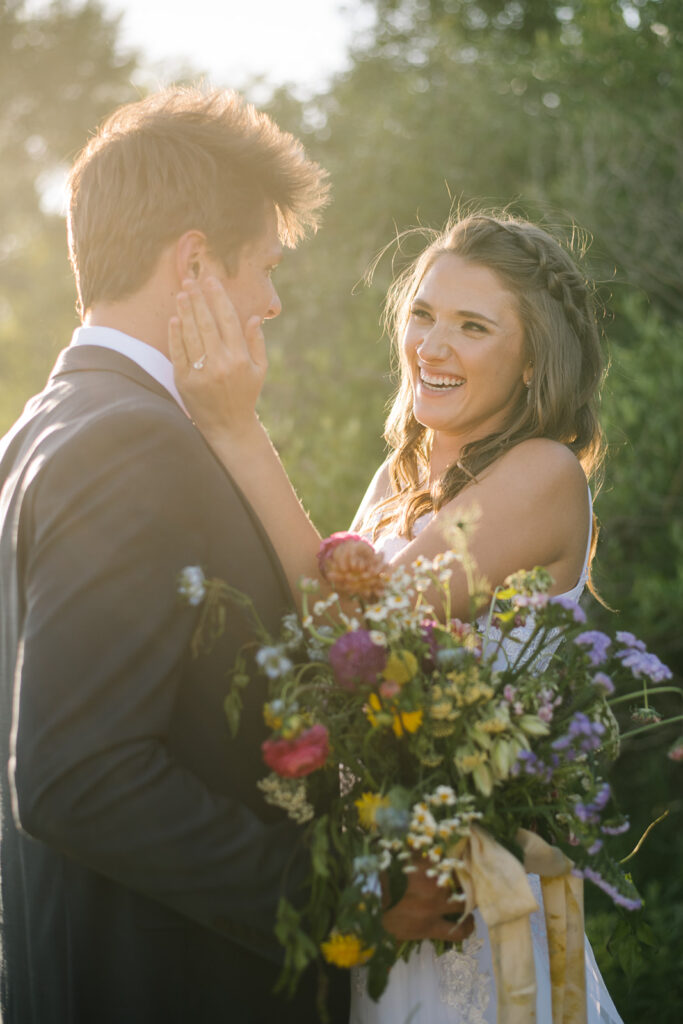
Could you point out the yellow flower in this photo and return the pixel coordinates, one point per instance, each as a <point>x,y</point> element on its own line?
<point>272,720</point>
<point>401,666</point>
<point>406,721</point>
<point>470,759</point>
<point>368,805</point>
<point>493,725</point>
<point>441,709</point>
<point>345,950</point>
<point>375,714</point>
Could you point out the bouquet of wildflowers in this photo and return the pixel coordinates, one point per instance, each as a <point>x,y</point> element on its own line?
<point>396,728</point>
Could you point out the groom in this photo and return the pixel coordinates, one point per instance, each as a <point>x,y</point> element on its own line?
<point>140,867</point>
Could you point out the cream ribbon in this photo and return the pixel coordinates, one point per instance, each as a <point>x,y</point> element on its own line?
<point>496,882</point>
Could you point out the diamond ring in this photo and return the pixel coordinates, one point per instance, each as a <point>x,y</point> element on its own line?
<point>199,365</point>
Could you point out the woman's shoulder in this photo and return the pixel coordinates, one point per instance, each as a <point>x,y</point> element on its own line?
<point>379,489</point>
<point>539,463</point>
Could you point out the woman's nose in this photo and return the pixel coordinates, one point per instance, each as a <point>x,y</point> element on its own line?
<point>434,346</point>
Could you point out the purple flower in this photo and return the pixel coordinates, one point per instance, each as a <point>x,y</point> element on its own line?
<point>595,847</point>
<point>565,602</point>
<point>531,764</point>
<point>629,640</point>
<point>602,680</point>
<point>615,830</point>
<point>583,734</point>
<point>643,664</point>
<point>597,644</point>
<point>611,890</point>
<point>356,659</point>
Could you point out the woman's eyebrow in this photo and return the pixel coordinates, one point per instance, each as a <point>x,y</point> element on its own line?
<point>417,301</point>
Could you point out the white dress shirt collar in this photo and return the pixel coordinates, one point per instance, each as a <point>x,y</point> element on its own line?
<point>149,359</point>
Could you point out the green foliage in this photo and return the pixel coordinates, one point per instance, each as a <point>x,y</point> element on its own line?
<point>60,73</point>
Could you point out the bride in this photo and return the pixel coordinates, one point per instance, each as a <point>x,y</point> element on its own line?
<point>500,367</point>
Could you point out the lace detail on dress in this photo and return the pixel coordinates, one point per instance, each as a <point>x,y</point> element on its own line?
<point>462,983</point>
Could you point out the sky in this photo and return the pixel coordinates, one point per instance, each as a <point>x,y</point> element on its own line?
<point>299,42</point>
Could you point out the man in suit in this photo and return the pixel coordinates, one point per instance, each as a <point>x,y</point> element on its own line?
<point>141,868</point>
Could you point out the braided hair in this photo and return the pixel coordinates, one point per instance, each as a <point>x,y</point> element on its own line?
<point>561,341</point>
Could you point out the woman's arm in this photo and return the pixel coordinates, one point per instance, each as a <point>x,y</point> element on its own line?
<point>222,400</point>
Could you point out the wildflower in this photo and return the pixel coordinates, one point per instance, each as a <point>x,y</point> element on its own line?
<point>597,644</point>
<point>378,638</point>
<point>391,820</point>
<point>307,585</point>
<point>565,602</point>
<point>376,612</point>
<point>356,659</point>
<point>443,796</point>
<point>345,950</point>
<point>192,584</point>
<point>643,664</point>
<point>292,633</point>
<point>604,682</point>
<point>675,752</point>
<point>294,758</point>
<point>273,661</point>
<point>646,716</point>
<point>401,667</point>
<point>389,689</point>
<point>272,714</point>
<point>289,794</point>
<point>368,805</point>
<point>611,890</point>
<point>629,640</point>
<point>406,721</point>
<point>375,713</point>
<point>351,565</point>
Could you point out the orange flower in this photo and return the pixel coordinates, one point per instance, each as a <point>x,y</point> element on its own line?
<point>351,565</point>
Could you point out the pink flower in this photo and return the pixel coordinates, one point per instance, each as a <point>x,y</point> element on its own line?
<point>356,659</point>
<point>300,756</point>
<point>676,751</point>
<point>351,565</point>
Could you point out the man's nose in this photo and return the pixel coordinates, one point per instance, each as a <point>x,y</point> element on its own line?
<point>274,305</point>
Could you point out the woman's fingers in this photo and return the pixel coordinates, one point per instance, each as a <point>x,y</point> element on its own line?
<point>256,343</point>
<point>224,317</point>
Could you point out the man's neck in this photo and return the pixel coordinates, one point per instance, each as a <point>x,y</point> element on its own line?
<point>138,319</point>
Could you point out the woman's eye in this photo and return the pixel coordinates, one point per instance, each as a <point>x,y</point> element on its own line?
<point>420,314</point>
<point>474,325</point>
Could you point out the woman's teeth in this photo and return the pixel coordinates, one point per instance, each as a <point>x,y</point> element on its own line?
<point>438,380</point>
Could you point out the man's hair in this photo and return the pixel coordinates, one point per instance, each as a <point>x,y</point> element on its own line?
<point>180,160</point>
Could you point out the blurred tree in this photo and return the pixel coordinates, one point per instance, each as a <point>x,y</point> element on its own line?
<point>61,71</point>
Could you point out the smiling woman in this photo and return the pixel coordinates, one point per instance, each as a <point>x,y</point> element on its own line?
<point>464,352</point>
<point>500,364</point>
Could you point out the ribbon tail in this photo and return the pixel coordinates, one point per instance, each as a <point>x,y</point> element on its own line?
<point>563,904</point>
<point>496,882</point>
<point>514,970</point>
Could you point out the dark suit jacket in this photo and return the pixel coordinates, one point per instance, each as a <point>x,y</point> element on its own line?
<point>141,867</point>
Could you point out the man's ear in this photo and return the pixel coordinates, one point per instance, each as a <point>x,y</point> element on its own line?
<point>191,253</point>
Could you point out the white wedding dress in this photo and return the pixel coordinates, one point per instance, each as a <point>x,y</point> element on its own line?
<point>459,988</point>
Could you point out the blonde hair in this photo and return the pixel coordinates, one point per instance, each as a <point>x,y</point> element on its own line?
<point>561,340</point>
<point>179,160</point>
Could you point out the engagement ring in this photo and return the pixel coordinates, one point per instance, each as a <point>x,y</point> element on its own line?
<point>199,365</point>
